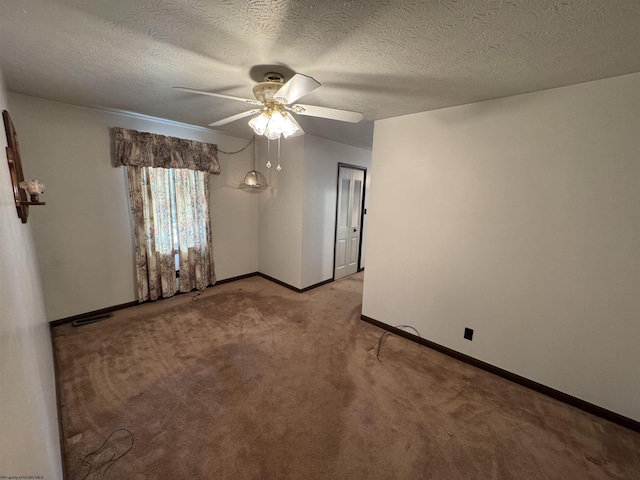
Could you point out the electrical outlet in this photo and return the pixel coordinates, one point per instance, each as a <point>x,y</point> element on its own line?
<point>468,333</point>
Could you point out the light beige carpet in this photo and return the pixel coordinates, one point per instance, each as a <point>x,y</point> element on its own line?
<point>254,381</point>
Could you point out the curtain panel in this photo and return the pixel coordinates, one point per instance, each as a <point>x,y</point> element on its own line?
<point>157,195</point>
<point>169,195</point>
<point>141,149</point>
<point>151,212</point>
<point>194,230</point>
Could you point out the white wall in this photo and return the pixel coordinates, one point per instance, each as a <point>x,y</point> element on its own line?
<point>519,218</point>
<point>83,235</point>
<point>297,211</point>
<point>29,442</point>
<point>320,196</point>
<point>281,210</point>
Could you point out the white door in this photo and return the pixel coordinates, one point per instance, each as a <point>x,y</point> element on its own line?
<point>348,224</point>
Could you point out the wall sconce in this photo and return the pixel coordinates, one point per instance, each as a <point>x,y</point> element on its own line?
<point>20,188</point>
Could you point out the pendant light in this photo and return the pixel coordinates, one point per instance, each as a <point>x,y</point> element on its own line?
<point>254,180</point>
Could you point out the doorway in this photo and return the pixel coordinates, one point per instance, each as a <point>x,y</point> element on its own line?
<point>349,216</point>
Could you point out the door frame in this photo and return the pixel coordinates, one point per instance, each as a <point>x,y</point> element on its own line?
<point>362,210</point>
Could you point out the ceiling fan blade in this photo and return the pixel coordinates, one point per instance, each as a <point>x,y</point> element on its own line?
<point>296,88</point>
<point>220,95</point>
<point>324,112</point>
<point>233,118</point>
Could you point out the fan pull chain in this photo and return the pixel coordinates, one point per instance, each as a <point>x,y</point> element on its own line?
<point>278,168</point>
<point>253,153</point>
<point>268,153</point>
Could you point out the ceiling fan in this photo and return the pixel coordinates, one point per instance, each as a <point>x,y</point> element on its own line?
<point>275,108</point>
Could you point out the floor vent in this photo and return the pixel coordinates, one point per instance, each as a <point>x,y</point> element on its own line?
<point>94,319</point>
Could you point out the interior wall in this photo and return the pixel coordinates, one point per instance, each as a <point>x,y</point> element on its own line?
<point>29,442</point>
<point>320,196</point>
<point>280,233</point>
<point>297,210</point>
<point>519,218</point>
<point>83,236</point>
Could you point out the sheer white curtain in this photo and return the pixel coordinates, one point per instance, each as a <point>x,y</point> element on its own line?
<point>194,229</point>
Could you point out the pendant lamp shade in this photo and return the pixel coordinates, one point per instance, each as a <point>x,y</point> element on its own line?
<point>254,179</point>
<point>259,123</point>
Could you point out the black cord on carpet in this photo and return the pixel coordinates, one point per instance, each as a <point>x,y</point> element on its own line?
<point>389,333</point>
<point>110,461</point>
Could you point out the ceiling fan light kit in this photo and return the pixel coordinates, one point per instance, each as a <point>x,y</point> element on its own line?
<point>272,123</point>
<point>276,117</point>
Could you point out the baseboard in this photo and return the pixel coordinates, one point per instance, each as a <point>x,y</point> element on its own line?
<point>236,278</point>
<point>94,313</point>
<point>538,387</point>
<point>316,285</point>
<point>291,287</point>
<point>102,311</point>
<point>56,376</point>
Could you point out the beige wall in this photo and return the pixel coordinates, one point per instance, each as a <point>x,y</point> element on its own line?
<point>280,234</point>
<point>83,235</point>
<point>29,443</point>
<point>320,196</point>
<point>297,211</point>
<point>519,218</point>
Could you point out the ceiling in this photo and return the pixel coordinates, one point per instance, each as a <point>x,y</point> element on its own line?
<point>383,58</point>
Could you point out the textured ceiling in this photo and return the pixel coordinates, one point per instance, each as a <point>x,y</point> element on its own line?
<point>382,58</point>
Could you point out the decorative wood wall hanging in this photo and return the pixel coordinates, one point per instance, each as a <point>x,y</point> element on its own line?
<point>15,170</point>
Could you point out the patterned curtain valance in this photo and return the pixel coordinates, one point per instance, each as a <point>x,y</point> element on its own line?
<point>140,149</point>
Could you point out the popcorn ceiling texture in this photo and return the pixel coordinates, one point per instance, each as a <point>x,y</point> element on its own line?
<point>383,58</point>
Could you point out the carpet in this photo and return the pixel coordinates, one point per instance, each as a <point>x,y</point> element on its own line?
<point>250,380</point>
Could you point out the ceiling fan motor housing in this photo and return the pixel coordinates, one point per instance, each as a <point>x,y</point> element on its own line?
<point>273,77</point>
<point>264,91</point>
